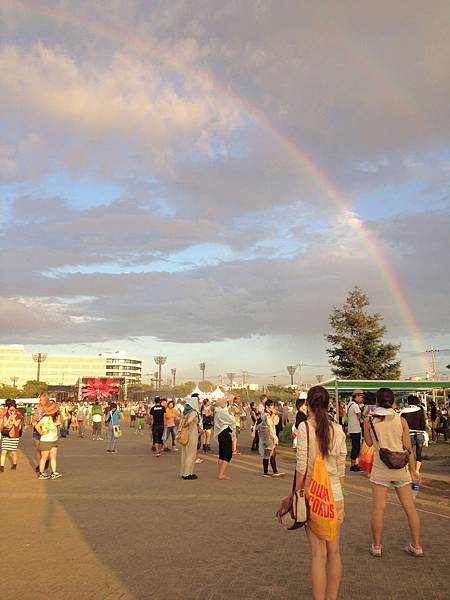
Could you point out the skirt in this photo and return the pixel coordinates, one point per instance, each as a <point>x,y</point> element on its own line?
<point>9,444</point>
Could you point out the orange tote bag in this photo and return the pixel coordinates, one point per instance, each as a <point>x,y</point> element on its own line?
<point>322,507</point>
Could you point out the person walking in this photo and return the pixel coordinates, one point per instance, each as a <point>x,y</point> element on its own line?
<point>139,419</point>
<point>112,419</point>
<point>97,418</point>
<point>170,427</point>
<point>268,440</point>
<point>326,440</point>
<point>236,410</point>
<point>414,415</point>
<point>48,429</point>
<point>386,429</point>
<point>191,421</point>
<point>354,427</point>
<point>224,429</point>
<point>11,424</point>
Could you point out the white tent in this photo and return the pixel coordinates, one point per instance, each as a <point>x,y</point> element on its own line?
<point>198,391</point>
<point>217,393</point>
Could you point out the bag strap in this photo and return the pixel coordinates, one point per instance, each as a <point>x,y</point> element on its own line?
<point>373,429</point>
<point>307,460</point>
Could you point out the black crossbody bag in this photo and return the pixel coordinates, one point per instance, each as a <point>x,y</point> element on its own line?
<point>391,458</point>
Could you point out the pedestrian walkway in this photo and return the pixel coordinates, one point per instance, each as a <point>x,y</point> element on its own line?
<point>125,526</point>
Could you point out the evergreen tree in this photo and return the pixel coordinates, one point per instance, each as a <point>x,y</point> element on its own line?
<point>357,350</point>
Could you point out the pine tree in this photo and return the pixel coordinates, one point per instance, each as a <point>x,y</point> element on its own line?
<point>357,350</point>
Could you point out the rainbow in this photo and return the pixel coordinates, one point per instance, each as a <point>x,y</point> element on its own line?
<point>319,177</point>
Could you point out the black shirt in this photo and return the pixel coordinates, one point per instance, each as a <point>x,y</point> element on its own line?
<point>300,417</point>
<point>157,413</point>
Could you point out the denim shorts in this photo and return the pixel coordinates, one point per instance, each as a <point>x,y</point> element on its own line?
<point>36,436</point>
<point>417,438</point>
<point>391,484</point>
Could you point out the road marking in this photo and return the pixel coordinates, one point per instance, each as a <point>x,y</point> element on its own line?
<point>400,506</point>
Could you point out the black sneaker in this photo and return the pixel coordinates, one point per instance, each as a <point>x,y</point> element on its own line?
<point>355,469</point>
<point>14,467</point>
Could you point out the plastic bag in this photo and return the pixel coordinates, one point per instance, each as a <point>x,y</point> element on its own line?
<point>322,508</point>
<point>366,459</point>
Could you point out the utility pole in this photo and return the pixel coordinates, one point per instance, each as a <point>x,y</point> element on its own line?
<point>159,360</point>
<point>174,372</point>
<point>231,379</point>
<point>433,351</point>
<point>14,381</point>
<point>300,375</point>
<point>291,370</point>
<point>39,358</point>
<point>244,378</point>
<point>202,369</point>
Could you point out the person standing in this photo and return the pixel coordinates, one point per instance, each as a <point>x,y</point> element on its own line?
<point>37,415</point>
<point>11,424</point>
<point>97,417</point>
<point>133,416</point>
<point>82,415</point>
<point>224,428</point>
<point>208,424</point>
<point>326,439</point>
<point>170,426</point>
<point>157,413</point>
<point>236,410</point>
<point>254,415</point>
<point>48,429</point>
<point>113,423</point>
<point>190,420</point>
<point>386,429</point>
<point>268,440</point>
<point>354,427</point>
<point>414,415</point>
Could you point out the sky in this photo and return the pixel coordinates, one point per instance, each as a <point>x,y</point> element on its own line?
<point>207,180</point>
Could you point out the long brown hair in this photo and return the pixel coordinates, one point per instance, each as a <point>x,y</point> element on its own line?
<point>318,401</point>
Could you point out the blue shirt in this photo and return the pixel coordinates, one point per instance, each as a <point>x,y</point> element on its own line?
<point>113,416</point>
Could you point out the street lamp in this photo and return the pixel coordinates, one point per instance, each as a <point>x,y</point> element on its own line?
<point>14,381</point>
<point>291,370</point>
<point>274,378</point>
<point>159,360</point>
<point>202,369</point>
<point>231,378</point>
<point>174,372</point>
<point>39,358</point>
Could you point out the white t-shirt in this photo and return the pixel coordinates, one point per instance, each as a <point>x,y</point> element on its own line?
<point>49,430</point>
<point>97,418</point>
<point>353,414</point>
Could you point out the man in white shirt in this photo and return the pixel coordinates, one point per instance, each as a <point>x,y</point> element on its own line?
<point>354,427</point>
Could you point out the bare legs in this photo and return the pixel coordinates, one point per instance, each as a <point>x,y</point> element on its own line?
<point>222,468</point>
<point>404,494</point>
<point>326,566</point>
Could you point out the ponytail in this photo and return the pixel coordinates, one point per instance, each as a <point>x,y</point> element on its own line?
<point>318,401</point>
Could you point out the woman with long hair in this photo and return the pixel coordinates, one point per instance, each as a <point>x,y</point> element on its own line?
<point>386,429</point>
<point>112,420</point>
<point>268,440</point>
<point>327,439</point>
<point>224,430</point>
<point>10,427</point>
<point>208,424</point>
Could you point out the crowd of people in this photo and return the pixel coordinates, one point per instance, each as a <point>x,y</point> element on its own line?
<point>396,438</point>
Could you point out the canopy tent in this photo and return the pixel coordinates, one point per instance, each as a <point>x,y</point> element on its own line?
<point>217,393</point>
<point>20,401</point>
<point>372,385</point>
<point>198,391</point>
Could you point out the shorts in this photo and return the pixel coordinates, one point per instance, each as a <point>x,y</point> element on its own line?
<point>391,484</point>
<point>46,446</point>
<point>36,436</point>
<point>158,434</point>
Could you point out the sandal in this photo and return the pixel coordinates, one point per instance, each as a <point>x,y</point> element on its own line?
<point>375,551</point>
<point>413,551</point>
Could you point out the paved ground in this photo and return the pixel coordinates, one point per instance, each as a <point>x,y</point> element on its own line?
<point>124,526</point>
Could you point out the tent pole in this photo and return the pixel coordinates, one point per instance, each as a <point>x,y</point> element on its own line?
<point>336,398</point>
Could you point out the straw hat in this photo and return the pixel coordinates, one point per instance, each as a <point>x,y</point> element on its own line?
<point>51,409</point>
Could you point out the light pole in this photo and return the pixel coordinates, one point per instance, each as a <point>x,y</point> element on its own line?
<point>433,351</point>
<point>39,357</point>
<point>202,369</point>
<point>159,360</point>
<point>174,372</point>
<point>244,378</point>
<point>319,378</point>
<point>274,378</point>
<point>291,370</point>
<point>14,381</point>
<point>300,375</point>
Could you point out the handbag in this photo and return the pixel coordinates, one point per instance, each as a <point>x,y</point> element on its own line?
<point>298,504</point>
<point>117,432</point>
<point>182,436</point>
<point>391,458</point>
